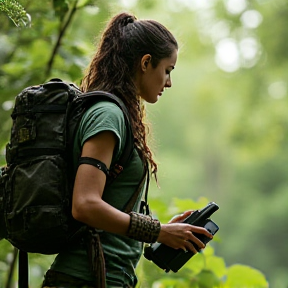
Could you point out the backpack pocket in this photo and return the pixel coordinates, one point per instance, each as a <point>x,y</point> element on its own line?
<point>44,224</point>
<point>38,210</point>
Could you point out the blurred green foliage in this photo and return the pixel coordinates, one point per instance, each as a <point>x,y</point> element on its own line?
<point>204,270</point>
<point>15,12</point>
<point>219,133</point>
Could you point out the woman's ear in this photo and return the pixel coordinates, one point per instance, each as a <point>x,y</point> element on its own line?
<point>145,60</point>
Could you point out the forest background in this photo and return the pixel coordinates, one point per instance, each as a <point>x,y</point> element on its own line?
<point>219,134</point>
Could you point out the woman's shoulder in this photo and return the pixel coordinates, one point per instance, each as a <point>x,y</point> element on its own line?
<point>106,111</point>
<point>105,107</point>
<point>102,116</point>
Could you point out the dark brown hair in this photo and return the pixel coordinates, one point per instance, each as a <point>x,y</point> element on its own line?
<point>123,44</point>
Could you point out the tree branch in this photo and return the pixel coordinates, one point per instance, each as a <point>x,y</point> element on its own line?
<point>60,36</point>
<point>11,270</point>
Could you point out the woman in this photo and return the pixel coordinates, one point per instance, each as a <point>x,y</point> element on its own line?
<point>133,61</point>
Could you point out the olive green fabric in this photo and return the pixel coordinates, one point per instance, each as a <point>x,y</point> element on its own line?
<point>121,253</point>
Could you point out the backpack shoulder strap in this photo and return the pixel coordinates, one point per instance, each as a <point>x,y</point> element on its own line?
<point>87,100</point>
<point>96,96</point>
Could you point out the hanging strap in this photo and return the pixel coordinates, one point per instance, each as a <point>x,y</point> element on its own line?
<point>145,179</point>
<point>95,250</point>
<point>96,257</point>
<point>23,270</point>
<point>144,208</point>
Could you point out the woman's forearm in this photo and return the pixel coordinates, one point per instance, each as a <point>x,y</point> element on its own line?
<point>102,216</point>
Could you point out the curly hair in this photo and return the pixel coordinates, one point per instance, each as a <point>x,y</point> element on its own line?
<point>113,68</point>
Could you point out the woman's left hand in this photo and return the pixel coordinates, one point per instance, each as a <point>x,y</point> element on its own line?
<point>181,217</point>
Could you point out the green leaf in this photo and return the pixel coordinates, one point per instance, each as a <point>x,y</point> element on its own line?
<point>240,276</point>
<point>207,279</point>
<point>208,251</point>
<point>83,3</point>
<point>188,204</point>
<point>61,8</point>
<point>217,265</point>
<point>15,12</point>
<point>13,68</point>
<point>196,263</point>
<point>39,53</point>
<point>172,283</point>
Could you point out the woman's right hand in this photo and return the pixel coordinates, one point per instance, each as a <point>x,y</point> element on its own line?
<point>180,236</point>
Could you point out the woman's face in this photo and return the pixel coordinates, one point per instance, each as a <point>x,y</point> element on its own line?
<point>150,82</point>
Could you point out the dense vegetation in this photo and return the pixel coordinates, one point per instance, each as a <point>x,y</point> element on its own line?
<point>219,133</point>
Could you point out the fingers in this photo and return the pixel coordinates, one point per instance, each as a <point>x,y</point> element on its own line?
<point>191,236</point>
<point>181,217</point>
<point>175,219</point>
<point>194,239</point>
<point>200,230</point>
<point>182,236</point>
<point>189,246</point>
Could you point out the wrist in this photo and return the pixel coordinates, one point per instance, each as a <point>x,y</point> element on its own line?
<point>162,233</point>
<point>143,228</point>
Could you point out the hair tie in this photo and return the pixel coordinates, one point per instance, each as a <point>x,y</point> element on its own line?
<point>128,20</point>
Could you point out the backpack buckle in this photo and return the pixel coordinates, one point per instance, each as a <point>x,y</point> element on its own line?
<point>117,169</point>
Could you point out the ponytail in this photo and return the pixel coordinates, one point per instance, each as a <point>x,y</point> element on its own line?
<point>114,32</point>
<point>124,19</point>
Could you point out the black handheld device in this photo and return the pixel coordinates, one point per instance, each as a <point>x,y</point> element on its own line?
<point>168,258</point>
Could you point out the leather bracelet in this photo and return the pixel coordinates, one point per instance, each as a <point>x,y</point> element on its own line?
<point>143,228</point>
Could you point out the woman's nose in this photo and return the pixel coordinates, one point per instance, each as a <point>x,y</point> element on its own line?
<point>168,83</point>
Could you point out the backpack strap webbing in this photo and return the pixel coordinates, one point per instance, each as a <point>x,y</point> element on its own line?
<point>145,180</point>
<point>23,270</point>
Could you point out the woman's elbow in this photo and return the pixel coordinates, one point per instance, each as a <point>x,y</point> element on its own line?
<point>82,210</point>
<point>78,212</point>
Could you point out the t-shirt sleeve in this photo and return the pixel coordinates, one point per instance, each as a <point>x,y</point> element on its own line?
<point>103,116</point>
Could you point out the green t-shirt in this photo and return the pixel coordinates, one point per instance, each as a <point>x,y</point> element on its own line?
<point>121,253</point>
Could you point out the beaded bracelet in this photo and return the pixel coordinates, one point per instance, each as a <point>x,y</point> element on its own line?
<point>143,228</point>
